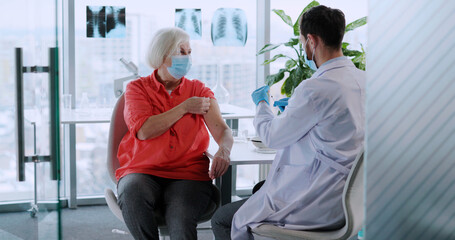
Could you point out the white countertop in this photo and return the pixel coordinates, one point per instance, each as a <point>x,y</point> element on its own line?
<point>243,152</point>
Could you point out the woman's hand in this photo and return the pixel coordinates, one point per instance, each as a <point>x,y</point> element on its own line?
<point>220,163</point>
<point>197,105</point>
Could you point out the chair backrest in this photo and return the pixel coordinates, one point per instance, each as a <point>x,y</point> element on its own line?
<point>353,198</point>
<point>353,206</point>
<point>117,131</point>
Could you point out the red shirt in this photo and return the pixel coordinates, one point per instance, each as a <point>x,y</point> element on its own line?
<point>177,153</point>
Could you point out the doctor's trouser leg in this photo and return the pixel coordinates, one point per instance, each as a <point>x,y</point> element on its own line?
<point>222,220</point>
<point>184,201</point>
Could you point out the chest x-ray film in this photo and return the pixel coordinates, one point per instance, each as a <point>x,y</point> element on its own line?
<point>189,19</point>
<point>106,22</point>
<point>229,27</point>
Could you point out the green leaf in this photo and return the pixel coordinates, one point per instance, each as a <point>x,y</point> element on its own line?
<point>344,45</point>
<point>296,24</point>
<point>296,76</point>
<point>296,29</point>
<point>291,82</point>
<point>310,5</point>
<point>350,53</point>
<point>360,61</point>
<point>302,61</point>
<point>273,59</point>
<point>290,63</point>
<point>274,78</point>
<point>283,16</point>
<point>267,48</point>
<point>307,72</point>
<point>288,85</point>
<point>292,42</point>
<point>357,23</point>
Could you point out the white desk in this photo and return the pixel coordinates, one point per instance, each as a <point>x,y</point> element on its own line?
<point>75,116</point>
<point>243,153</point>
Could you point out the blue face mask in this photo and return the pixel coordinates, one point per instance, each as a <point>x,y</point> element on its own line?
<point>181,64</point>
<point>310,63</point>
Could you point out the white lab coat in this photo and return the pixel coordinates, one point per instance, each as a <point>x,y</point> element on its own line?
<point>317,139</point>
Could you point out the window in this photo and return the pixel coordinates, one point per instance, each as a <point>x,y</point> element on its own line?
<point>97,65</point>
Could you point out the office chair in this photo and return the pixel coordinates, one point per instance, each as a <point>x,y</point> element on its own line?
<point>117,130</point>
<point>352,206</point>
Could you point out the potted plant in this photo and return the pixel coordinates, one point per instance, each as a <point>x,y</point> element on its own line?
<point>296,67</point>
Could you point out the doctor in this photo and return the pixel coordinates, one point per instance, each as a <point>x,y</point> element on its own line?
<point>317,138</point>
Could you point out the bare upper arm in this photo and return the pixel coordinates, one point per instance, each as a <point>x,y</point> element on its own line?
<point>214,121</point>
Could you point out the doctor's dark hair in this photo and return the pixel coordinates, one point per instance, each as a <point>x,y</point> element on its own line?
<point>327,23</point>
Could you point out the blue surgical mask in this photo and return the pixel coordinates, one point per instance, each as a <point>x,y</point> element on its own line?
<point>310,63</point>
<point>181,64</point>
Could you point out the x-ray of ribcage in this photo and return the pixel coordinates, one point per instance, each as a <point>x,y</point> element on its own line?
<point>106,22</point>
<point>189,19</point>
<point>229,27</point>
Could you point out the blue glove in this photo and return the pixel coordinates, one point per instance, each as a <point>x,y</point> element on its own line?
<point>281,104</point>
<point>261,94</point>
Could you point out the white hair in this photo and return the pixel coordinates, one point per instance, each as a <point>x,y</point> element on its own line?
<point>165,42</point>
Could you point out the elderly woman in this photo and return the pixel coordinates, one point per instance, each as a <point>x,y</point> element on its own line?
<point>162,161</point>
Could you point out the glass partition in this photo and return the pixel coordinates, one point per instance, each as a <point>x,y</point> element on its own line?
<point>410,165</point>
<point>29,135</point>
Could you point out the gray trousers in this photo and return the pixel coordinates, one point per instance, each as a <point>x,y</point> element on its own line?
<point>182,201</point>
<point>222,220</point>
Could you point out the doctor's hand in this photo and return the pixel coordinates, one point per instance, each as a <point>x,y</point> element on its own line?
<point>281,104</point>
<point>220,163</point>
<point>261,94</point>
<point>197,105</point>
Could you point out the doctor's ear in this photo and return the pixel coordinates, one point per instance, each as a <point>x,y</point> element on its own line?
<point>313,40</point>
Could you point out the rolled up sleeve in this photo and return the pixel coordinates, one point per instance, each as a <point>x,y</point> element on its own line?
<point>138,108</point>
<point>203,91</point>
